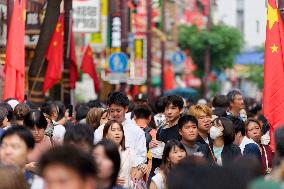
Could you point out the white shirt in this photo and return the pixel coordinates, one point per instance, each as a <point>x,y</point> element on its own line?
<point>158,179</point>
<point>134,139</point>
<point>244,142</point>
<point>58,133</point>
<point>127,159</point>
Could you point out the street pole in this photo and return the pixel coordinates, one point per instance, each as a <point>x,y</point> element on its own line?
<point>163,46</point>
<point>124,33</point>
<point>149,47</point>
<point>207,59</point>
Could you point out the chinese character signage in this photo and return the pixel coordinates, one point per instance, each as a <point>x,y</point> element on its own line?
<point>86,16</point>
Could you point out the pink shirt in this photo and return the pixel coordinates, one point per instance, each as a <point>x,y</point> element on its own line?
<point>40,147</point>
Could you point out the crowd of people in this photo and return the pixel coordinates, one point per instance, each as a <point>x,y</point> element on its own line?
<point>164,143</point>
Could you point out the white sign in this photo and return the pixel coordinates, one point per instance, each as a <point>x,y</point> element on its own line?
<point>86,16</point>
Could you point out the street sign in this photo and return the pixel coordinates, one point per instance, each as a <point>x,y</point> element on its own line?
<point>118,62</point>
<point>178,58</point>
<point>86,16</point>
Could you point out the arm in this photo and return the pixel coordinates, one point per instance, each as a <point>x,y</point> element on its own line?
<point>153,185</point>
<point>141,150</point>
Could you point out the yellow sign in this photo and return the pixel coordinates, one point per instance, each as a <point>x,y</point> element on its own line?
<point>96,38</point>
<point>104,5</point>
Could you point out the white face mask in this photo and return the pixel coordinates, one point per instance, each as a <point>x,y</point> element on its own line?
<point>215,132</point>
<point>265,139</point>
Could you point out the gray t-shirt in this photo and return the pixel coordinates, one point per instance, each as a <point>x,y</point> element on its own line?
<point>191,150</point>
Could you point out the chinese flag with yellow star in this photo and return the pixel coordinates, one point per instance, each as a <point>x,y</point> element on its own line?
<point>273,94</point>
<point>88,66</point>
<point>54,56</point>
<point>14,69</point>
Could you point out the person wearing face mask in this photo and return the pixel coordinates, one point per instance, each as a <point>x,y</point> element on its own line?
<point>223,151</point>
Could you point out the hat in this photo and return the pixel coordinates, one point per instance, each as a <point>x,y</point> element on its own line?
<point>141,97</point>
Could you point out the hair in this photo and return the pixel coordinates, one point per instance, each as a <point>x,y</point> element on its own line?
<point>49,108</point>
<point>248,121</point>
<point>142,112</point>
<point>94,104</point>
<point>21,110</point>
<point>70,157</point>
<point>232,94</point>
<point>239,125</point>
<point>160,104</point>
<point>175,100</point>
<point>106,129</point>
<point>35,118</point>
<point>185,119</point>
<point>61,109</point>
<point>118,98</point>
<point>3,115</point>
<point>79,133</point>
<point>171,144</point>
<point>220,101</point>
<point>220,112</point>
<point>9,108</point>
<point>94,116</point>
<point>112,153</point>
<point>21,132</point>
<point>196,110</point>
<point>82,111</point>
<point>279,141</point>
<point>228,132</point>
<point>12,177</point>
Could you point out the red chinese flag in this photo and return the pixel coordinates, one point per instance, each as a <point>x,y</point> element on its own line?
<point>88,66</point>
<point>14,86</point>
<point>54,56</point>
<point>74,75</point>
<point>169,77</point>
<point>273,95</point>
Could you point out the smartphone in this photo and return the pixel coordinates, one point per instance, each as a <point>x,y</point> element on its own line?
<point>70,110</point>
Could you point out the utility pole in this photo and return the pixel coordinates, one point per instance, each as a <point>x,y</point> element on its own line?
<point>124,33</point>
<point>207,56</point>
<point>67,38</point>
<point>163,45</point>
<point>149,47</point>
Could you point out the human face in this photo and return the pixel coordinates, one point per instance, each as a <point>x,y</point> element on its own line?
<point>254,131</point>
<point>238,102</point>
<point>60,177</point>
<point>176,154</point>
<point>14,151</point>
<point>204,122</point>
<point>5,122</point>
<point>38,133</point>
<point>189,132</point>
<point>104,164</point>
<point>117,112</point>
<point>172,113</point>
<point>115,133</point>
<point>104,118</point>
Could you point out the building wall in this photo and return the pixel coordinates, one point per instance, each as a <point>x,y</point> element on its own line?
<point>247,15</point>
<point>255,23</point>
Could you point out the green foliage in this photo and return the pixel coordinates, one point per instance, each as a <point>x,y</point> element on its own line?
<point>256,75</point>
<point>224,43</point>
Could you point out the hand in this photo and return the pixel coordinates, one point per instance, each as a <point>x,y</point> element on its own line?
<point>120,181</point>
<point>153,144</point>
<point>136,174</point>
<point>31,166</point>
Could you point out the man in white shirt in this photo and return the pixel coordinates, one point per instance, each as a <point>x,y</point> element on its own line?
<point>134,136</point>
<point>50,112</point>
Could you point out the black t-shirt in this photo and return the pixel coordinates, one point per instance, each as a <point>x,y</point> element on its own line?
<point>166,134</point>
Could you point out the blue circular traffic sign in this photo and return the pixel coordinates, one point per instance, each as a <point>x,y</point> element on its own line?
<point>178,58</point>
<point>118,62</point>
